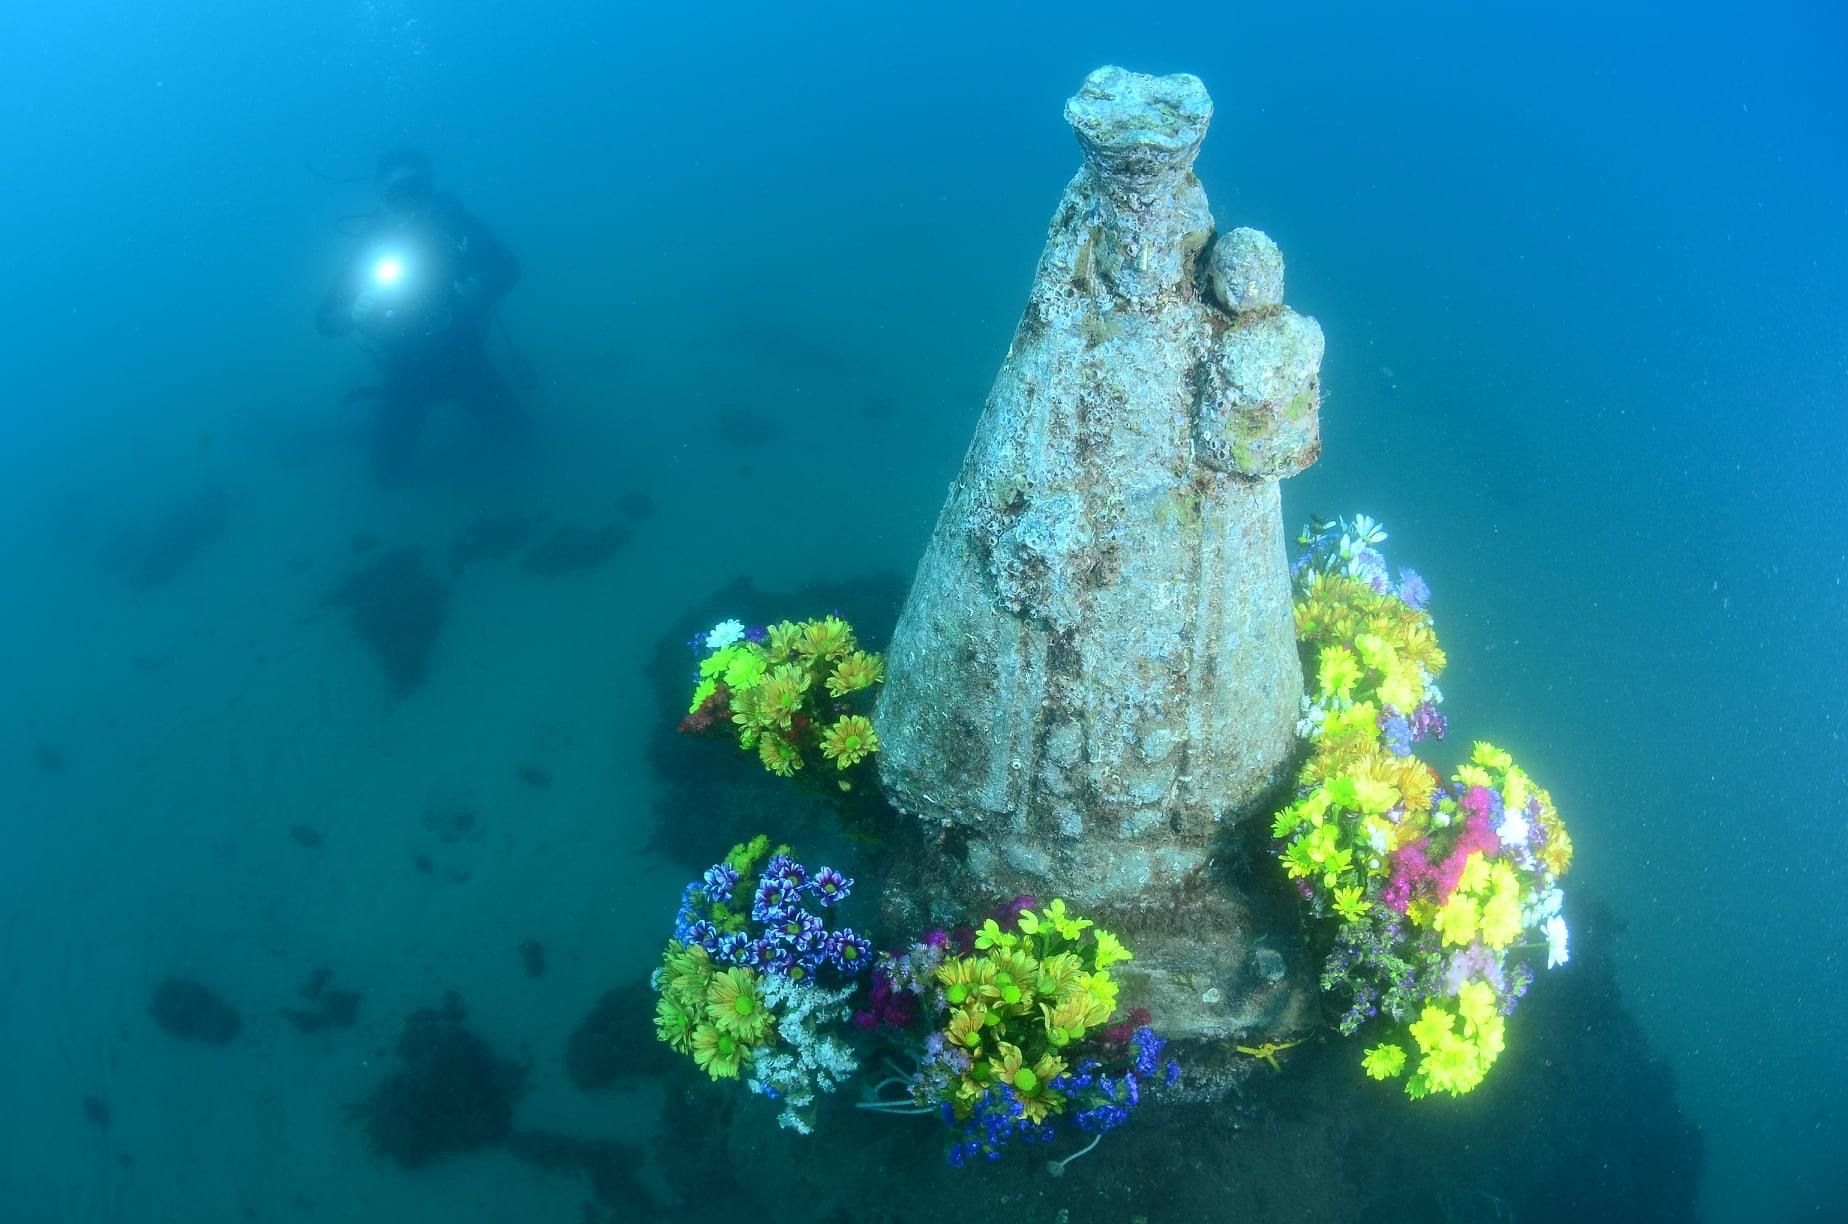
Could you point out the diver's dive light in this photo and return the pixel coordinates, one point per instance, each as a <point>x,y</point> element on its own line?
<point>397,293</point>
<point>387,271</point>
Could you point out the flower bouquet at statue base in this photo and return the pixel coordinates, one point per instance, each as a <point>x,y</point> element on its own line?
<point>755,984</point>
<point>793,694</point>
<point>1010,1034</point>
<point>1431,891</point>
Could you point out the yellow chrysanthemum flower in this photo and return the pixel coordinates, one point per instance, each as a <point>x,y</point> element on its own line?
<point>1475,875</point>
<point>780,640</point>
<point>1457,919</point>
<point>1359,792</point>
<point>1475,1004</point>
<point>1402,687</point>
<point>1031,1084</point>
<point>673,1023</point>
<point>1337,671</point>
<point>1416,785</point>
<point>713,665</point>
<point>857,671</point>
<point>1501,919</point>
<point>779,756</point>
<point>1475,775</point>
<point>1515,789</point>
<point>778,697</point>
<point>685,970</point>
<point>1489,1039</point>
<point>1557,855</point>
<point>1350,904</point>
<point>1102,988</point>
<point>849,741</point>
<point>719,1054</point>
<point>1071,1014</point>
<point>1489,756</point>
<point>1299,860</point>
<point>827,638</point>
<point>1314,806</point>
<point>733,1006</point>
<point>746,670</point>
<point>1454,1065</point>
<point>965,977</point>
<point>1056,973</point>
<point>1110,949</point>
<point>1357,727</point>
<point>966,1026</point>
<point>1375,651</point>
<point>1016,968</point>
<point>1431,1026</point>
<point>1008,994</point>
<point>1384,1061</point>
<point>1067,924</point>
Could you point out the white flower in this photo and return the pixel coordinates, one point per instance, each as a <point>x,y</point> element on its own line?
<point>808,1062</point>
<point>1368,530</point>
<point>1556,942</point>
<point>724,634</point>
<point>1544,906</point>
<point>1514,829</point>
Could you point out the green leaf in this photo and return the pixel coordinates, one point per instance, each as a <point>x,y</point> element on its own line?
<point>992,936</point>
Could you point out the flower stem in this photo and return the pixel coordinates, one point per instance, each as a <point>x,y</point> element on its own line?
<point>1057,1167</point>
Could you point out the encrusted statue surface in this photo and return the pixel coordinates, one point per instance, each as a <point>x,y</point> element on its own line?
<point>1095,677</point>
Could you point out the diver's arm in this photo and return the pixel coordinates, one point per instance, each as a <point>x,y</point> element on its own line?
<point>489,262</point>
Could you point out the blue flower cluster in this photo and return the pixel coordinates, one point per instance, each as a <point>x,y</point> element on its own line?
<point>996,1120</point>
<point>791,939</point>
<point>1094,1101</point>
<point>1104,1102</point>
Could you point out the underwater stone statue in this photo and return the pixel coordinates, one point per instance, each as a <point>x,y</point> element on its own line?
<point>1095,677</point>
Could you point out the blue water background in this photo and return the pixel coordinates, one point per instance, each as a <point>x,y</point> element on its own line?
<point>1585,288</point>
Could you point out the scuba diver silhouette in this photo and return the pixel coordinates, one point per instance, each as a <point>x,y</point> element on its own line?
<point>418,295</point>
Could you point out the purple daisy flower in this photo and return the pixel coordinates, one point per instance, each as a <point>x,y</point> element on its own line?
<point>733,949</point>
<point>1428,722</point>
<point>797,929</point>
<point>830,886</point>
<point>770,903</point>
<point>762,953</point>
<point>719,880</point>
<point>1370,567</point>
<point>849,952</point>
<point>785,871</point>
<point>1413,591</point>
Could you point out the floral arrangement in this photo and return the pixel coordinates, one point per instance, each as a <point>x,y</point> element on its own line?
<point>1433,887</point>
<point>1018,1034</point>
<point>753,982</point>
<point>789,692</point>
